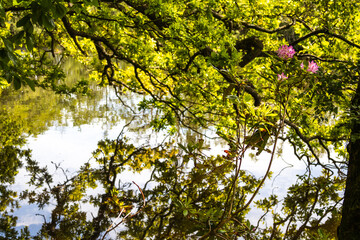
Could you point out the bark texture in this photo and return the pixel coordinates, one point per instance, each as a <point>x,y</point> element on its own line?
<point>349,228</point>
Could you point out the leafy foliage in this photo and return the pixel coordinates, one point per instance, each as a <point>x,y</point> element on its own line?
<point>200,65</point>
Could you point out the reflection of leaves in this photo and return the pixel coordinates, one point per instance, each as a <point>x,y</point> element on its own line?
<point>10,143</point>
<point>175,57</point>
<point>41,109</point>
<point>8,230</point>
<point>186,200</point>
<point>196,197</point>
<point>182,200</point>
<point>11,154</point>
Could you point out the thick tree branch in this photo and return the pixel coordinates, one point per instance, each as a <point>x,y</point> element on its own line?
<point>314,33</point>
<point>253,48</point>
<point>247,45</point>
<point>326,32</point>
<point>246,86</point>
<point>343,39</point>
<point>350,222</point>
<point>142,7</point>
<point>16,9</point>
<point>321,59</point>
<point>315,137</point>
<point>72,33</point>
<point>233,25</point>
<point>260,29</point>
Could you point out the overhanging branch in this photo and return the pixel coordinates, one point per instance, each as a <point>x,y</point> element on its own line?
<point>326,32</point>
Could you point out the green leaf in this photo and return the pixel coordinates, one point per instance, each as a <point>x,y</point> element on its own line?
<point>248,224</point>
<point>47,22</point>
<point>2,12</point>
<point>17,83</point>
<point>2,22</point>
<point>46,4</point>
<point>25,20</point>
<point>28,27</point>
<point>12,57</point>
<point>29,42</point>
<point>232,97</point>
<point>18,37</point>
<point>3,56</point>
<point>2,16</point>
<point>36,12</point>
<point>8,45</point>
<point>30,83</point>
<point>183,147</point>
<point>95,3</point>
<point>59,11</point>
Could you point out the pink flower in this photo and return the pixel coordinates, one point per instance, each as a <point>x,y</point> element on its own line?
<point>285,52</point>
<point>282,76</point>
<point>302,65</point>
<point>313,67</point>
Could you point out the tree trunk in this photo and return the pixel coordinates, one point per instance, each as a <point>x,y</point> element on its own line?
<point>349,228</point>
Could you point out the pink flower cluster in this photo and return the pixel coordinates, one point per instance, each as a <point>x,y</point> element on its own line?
<point>312,67</point>
<point>282,76</point>
<point>285,52</point>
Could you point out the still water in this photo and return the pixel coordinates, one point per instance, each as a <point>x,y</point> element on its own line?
<point>69,143</point>
<point>67,137</point>
<point>63,131</point>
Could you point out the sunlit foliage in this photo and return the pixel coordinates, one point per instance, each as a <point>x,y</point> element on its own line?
<point>259,73</point>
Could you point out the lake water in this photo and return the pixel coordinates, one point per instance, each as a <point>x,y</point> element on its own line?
<point>70,146</point>
<point>69,139</point>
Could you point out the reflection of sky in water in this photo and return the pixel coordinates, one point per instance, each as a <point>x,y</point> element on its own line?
<point>72,146</point>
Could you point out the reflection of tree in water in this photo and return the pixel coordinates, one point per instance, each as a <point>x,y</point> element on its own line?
<point>40,109</point>
<point>199,64</point>
<point>29,113</point>
<point>11,156</point>
<point>188,194</point>
<point>33,112</point>
<point>179,199</point>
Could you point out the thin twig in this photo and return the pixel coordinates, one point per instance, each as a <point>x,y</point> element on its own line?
<point>271,159</point>
<point>127,216</point>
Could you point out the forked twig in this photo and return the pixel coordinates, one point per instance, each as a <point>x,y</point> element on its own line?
<point>127,216</point>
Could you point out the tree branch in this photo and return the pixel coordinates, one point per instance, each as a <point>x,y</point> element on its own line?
<point>316,32</point>
<point>327,32</point>
<point>253,48</point>
<point>308,139</point>
<point>233,25</point>
<point>16,9</point>
<point>258,28</point>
